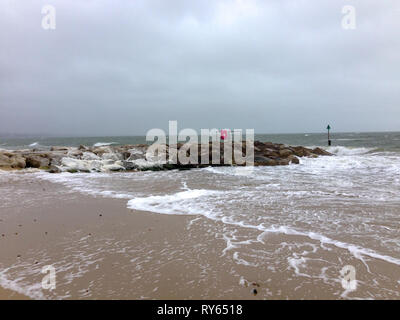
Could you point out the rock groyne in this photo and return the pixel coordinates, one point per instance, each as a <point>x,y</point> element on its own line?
<point>133,157</point>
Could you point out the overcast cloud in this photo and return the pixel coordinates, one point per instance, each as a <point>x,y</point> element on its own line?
<point>124,67</point>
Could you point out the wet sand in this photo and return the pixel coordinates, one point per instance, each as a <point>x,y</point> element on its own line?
<point>6,294</point>
<point>102,250</point>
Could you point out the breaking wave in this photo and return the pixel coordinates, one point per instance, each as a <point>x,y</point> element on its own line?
<point>103,144</point>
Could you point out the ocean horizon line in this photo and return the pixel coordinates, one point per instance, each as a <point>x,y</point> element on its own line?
<point>32,136</point>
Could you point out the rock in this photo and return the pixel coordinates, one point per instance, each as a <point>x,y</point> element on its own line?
<point>321,152</point>
<point>100,150</point>
<point>136,153</point>
<point>58,149</point>
<point>260,159</point>
<point>18,162</point>
<point>75,165</point>
<point>4,160</point>
<point>113,167</point>
<point>269,154</point>
<point>37,161</point>
<point>285,153</point>
<point>54,169</point>
<point>128,165</point>
<point>133,157</point>
<point>272,162</point>
<point>125,155</point>
<point>111,156</point>
<point>293,159</point>
<point>301,151</point>
<point>83,148</point>
<point>283,162</point>
<point>264,161</point>
<point>10,160</point>
<point>75,153</point>
<point>89,156</point>
<point>55,160</point>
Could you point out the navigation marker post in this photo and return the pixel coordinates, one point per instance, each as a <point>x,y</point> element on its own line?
<point>329,139</point>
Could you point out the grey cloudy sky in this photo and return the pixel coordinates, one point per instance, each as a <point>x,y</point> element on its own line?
<point>123,67</point>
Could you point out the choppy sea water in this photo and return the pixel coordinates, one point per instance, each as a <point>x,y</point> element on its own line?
<point>306,220</point>
<point>389,141</point>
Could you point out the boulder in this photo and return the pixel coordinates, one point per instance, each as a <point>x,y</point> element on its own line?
<point>75,153</point>
<point>111,156</point>
<point>113,167</point>
<point>5,160</point>
<point>272,162</point>
<point>264,161</point>
<point>100,150</point>
<point>59,149</point>
<point>86,155</point>
<point>321,152</point>
<point>18,161</point>
<point>37,161</point>
<point>83,148</point>
<point>293,159</point>
<point>128,165</point>
<point>285,153</point>
<point>55,160</point>
<point>133,157</point>
<point>268,152</point>
<point>301,151</point>
<point>54,169</point>
<point>125,155</point>
<point>283,162</point>
<point>10,160</point>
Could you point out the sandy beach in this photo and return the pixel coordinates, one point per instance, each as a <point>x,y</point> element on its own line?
<point>84,229</point>
<point>102,250</point>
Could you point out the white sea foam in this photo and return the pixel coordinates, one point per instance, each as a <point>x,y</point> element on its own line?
<point>35,144</point>
<point>346,151</point>
<point>187,202</point>
<point>220,205</point>
<point>79,182</point>
<point>33,291</point>
<point>178,203</point>
<point>90,156</point>
<point>103,165</point>
<point>102,144</point>
<point>145,164</point>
